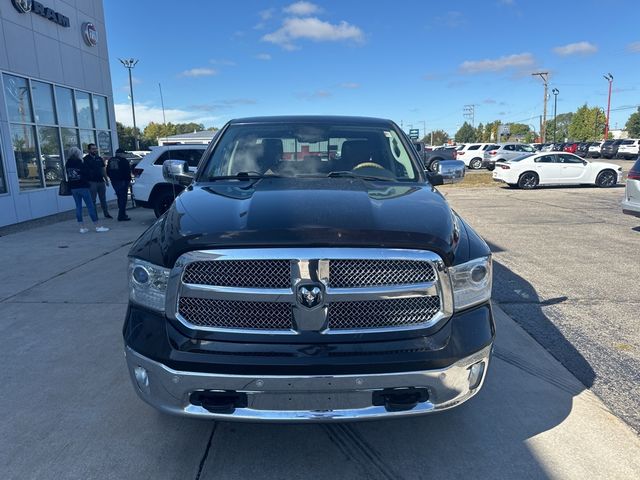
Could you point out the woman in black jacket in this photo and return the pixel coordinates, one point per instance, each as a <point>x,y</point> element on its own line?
<point>78,178</point>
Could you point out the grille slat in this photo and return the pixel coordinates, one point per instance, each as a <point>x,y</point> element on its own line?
<point>236,314</point>
<point>382,313</point>
<point>240,273</point>
<point>378,273</point>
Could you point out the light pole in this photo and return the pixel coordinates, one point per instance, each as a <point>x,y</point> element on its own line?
<point>555,92</point>
<point>129,64</point>
<point>608,78</point>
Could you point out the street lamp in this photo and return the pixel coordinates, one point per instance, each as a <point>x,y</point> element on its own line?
<point>555,92</point>
<point>129,64</point>
<point>608,78</point>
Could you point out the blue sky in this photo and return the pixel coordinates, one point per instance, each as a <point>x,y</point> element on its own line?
<point>411,61</point>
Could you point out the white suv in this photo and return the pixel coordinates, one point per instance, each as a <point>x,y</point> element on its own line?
<point>472,154</point>
<point>629,149</point>
<point>150,189</point>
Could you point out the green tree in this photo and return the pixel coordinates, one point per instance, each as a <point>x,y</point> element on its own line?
<point>562,128</point>
<point>490,133</point>
<point>479,132</point>
<point>633,125</point>
<point>465,134</point>
<point>440,137</point>
<point>518,129</point>
<point>584,125</point>
<point>126,137</point>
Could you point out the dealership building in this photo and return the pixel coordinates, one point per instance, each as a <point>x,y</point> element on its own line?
<point>55,93</point>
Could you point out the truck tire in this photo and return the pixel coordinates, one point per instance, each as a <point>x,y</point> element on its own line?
<point>528,180</point>
<point>475,163</point>
<point>434,165</point>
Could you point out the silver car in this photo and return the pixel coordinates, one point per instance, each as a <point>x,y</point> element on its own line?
<point>504,152</point>
<point>631,202</point>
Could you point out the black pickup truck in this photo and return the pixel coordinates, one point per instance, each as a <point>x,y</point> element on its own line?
<point>432,156</point>
<point>310,271</point>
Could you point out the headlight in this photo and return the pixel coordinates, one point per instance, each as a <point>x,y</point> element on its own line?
<point>471,283</point>
<point>147,284</point>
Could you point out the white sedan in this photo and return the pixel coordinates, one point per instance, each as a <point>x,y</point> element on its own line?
<point>556,168</point>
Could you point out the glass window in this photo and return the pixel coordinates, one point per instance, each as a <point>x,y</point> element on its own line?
<point>100,112</point>
<point>363,150</point>
<point>86,137</point>
<point>104,145</point>
<point>191,156</point>
<point>43,103</point>
<point>23,138</point>
<point>83,108</point>
<point>510,147</point>
<point>565,158</point>
<point>474,147</point>
<point>66,106</point>
<point>545,159</point>
<point>16,92</point>
<point>69,139</point>
<point>3,183</point>
<point>51,155</point>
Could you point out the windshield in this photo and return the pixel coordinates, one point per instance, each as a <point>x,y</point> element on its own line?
<point>308,150</point>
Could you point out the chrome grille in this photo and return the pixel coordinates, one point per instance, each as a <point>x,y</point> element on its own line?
<point>261,290</point>
<point>382,313</point>
<point>373,273</point>
<point>236,314</point>
<point>240,273</point>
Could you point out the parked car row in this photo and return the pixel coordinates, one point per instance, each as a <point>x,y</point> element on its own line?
<point>627,149</point>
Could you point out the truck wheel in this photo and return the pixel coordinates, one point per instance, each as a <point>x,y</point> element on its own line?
<point>607,178</point>
<point>162,203</point>
<point>434,165</point>
<point>475,164</point>
<point>528,180</point>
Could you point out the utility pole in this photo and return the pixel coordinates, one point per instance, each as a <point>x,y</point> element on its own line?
<point>545,78</point>
<point>608,78</point>
<point>129,64</point>
<point>424,128</point>
<point>555,92</point>
<point>469,112</point>
<point>164,119</point>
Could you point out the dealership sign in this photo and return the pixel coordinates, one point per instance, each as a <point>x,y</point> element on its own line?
<point>26,6</point>
<point>90,34</point>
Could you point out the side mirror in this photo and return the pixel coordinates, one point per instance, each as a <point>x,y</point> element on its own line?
<point>177,171</point>
<point>449,171</point>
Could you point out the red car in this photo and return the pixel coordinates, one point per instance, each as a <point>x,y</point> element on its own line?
<point>570,147</point>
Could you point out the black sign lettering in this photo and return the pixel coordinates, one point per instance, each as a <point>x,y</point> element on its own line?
<point>46,12</point>
<point>38,8</point>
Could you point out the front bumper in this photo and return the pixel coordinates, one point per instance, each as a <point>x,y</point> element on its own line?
<point>630,208</point>
<point>301,398</point>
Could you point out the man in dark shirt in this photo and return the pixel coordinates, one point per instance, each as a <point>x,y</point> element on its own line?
<point>119,171</point>
<point>97,178</point>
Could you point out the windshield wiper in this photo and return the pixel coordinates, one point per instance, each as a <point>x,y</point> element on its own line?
<point>255,176</point>
<point>348,174</point>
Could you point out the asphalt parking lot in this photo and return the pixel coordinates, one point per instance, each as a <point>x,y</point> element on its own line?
<point>564,272</point>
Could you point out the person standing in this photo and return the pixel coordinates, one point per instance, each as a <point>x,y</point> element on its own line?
<point>78,178</point>
<point>98,180</point>
<point>119,171</point>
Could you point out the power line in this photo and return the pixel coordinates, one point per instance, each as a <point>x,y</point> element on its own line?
<point>543,128</point>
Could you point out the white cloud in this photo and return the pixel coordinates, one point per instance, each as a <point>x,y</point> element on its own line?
<point>634,47</point>
<point>579,48</point>
<point>226,63</point>
<point>302,9</point>
<point>263,56</point>
<point>149,113</point>
<point>452,19</point>
<point>266,14</point>
<point>520,60</point>
<point>314,29</point>
<point>199,72</point>
<point>350,85</point>
<point>318,94</point>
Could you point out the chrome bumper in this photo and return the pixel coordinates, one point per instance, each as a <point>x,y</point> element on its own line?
<point>304,398</point>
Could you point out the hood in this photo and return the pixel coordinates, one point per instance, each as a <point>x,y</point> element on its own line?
<point>288,212</point>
